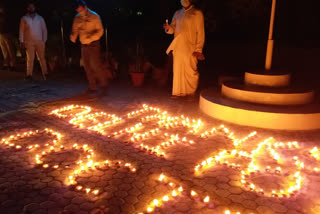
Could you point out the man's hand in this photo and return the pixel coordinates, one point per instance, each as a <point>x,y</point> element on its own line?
<point>166,27</point>
<point>72,39</point>
<point>199,56</point>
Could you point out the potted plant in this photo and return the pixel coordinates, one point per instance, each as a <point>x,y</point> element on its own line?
<point>137,72</point>
<point>53,62</point>
<point>137,68</point>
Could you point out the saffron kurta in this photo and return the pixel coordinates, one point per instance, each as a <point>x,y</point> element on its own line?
<point>189,36</point>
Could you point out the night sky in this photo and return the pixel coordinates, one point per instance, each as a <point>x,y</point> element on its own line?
<point>225,19</point>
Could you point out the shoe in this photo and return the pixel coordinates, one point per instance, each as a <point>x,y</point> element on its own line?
<point>28,78</point>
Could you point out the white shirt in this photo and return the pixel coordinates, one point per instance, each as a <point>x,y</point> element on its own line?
<point>33,29</point>
<point>188,29</point>
<point>88,27</point>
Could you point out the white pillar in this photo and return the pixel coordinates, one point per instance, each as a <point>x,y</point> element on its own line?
<point>270,45</point>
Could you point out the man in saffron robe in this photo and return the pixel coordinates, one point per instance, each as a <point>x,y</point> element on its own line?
<point>189,36</point>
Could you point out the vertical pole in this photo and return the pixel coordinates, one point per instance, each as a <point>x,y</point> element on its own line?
<point>107,48</point>
<point>270,45</point>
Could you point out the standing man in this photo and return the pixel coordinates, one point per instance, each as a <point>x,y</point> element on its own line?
<point>88,26</point>
<point>33,37</point>
<point>6,42</point>
<point>188,28</point>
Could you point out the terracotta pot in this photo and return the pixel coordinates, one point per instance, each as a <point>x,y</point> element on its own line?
<point>137,79</point>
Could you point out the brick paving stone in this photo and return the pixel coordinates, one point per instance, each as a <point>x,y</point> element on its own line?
<point>264,210</point>
<point>72,208</point>
<point>249,204</point>
<point>62,202</point>
<point>278,208</point>
<point>182,207</point>
<point>249,195</point>
<point>293,212</point>
<point>248,211</point>
<point>48,204</point>
<point>234,183</point>
<point>46,179</point>
<point>87,206</point>
<point>54,173</point>
<point>106,195</point>
<point>131,199</point>
<point>121,194</point>
<point>223,186</point>
<point>235,190</point>
<point>47,191</point>
<point>114,209</point>
<point>316,209</point>
<point>8,203</point>
<point>128,209</point>
<point>115,182</point>
<point>110,188</point>
<point>263,201</point>
<point>125,187</point>
<point>235,207</point>
<point>223,193</point>
<point>98,173</point>
<point>69,194</point>
<point>31,207</point>
<point>210,187</point>
<point>3,197</point>
<point>40,211</point>
<point>39,185</point>
<point>135,192</point>
<point>129,193</point>
<point>54,184</point>
<point>94,179</point>
<point>236,198</point>
<point>128,180</point>
<point>97,211</point>
<point>55,196</point>
<point>78,200</point>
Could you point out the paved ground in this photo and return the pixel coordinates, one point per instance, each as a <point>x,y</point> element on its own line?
<point>28,187</point>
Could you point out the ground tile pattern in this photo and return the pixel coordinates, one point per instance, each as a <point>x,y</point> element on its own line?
<point>28,187</point>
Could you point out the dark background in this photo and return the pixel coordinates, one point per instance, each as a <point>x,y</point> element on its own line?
<point>236,30</point>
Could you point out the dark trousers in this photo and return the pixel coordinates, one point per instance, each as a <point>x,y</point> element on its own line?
<point>93,65</point>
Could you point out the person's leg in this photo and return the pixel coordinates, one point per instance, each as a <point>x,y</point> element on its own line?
<point>191,75</point>
<point>40,50</point>
<point>30,50</point>
<point>5,51</point>
<point>178,66</point>
<point>99,70</point>
<point>86,56</point>
<point>12,51</point>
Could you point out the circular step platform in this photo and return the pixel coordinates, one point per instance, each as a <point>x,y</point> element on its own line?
<point>266,95</point>
<point>261,116</point>
<point>268,78</point>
